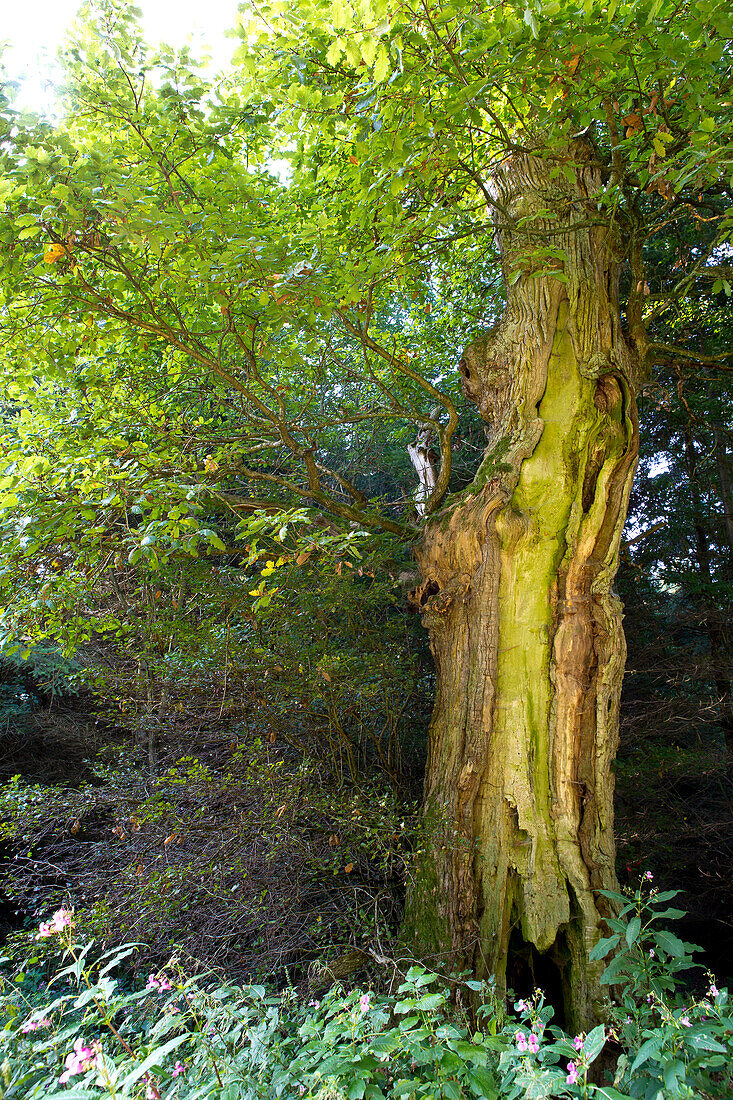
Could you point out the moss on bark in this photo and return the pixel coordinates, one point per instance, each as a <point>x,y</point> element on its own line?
<point>524,627</point>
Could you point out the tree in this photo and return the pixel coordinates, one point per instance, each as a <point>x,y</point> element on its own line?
<point>235,345</point>
<point>682,502</point>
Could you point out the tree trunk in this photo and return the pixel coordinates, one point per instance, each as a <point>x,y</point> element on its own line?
<point>516,594</point>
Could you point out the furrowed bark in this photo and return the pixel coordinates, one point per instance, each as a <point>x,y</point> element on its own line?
<point>526,632</point>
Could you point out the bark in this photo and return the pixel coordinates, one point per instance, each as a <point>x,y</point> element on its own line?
<point>526,632</point>
<point>424,459</point>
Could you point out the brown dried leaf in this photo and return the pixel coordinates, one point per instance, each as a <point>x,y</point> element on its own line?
<point>572,63</point>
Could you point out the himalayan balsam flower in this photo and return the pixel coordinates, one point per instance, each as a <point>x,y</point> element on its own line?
<point>521,1041</point>
<point>79,1061</point>
<point>158,982</point>
<point>713,991</point>
<point>649,876</point>
<point>578,1043</point>
<point>533,1043</point>
<point>651,953</point>
<point>178,1069</point>
<point>522,1006</point>
<point>33,1025</point>
<point>572,1078</point>
<point>364,1002</point>
<point>60,920</point>
<point>685,1021</point>
<point>152,1092</point>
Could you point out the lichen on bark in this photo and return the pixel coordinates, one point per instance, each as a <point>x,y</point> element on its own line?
<point>516,595</point>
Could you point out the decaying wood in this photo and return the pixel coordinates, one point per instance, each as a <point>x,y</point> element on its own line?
<point>515,591</point>
<point>425,460</point>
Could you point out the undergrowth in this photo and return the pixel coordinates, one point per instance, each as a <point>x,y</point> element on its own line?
<point>244,857</point>
<point>86,1030</point>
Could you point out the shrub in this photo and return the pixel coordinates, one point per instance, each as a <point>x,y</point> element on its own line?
<point>85,1033</point>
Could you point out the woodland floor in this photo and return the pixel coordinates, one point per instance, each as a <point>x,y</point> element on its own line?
<point>242,857</point>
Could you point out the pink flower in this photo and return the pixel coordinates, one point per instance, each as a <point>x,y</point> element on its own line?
<point>685,1021</point>
<point>521,1041</point>
<point>651,953</point>
<point>33,1025</point>
<point>533,1043</point>
<point>578,1043</point>
<point>60,920</point>
<point>178,1069</point>
<point>314,1004</point>
<point>79,1061</point>
<point>713,991</point>
<point>152,1092</point>
<point>648,876</point>
<point>159,981</point>
<point>572,1078</point>
<point>364,1002</point>
<point>522,1006</point>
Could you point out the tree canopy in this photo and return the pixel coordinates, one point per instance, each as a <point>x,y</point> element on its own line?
<point>185,322</point>
<point>232,311</point>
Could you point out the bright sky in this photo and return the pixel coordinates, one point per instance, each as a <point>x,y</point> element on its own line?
<point>35,29</point>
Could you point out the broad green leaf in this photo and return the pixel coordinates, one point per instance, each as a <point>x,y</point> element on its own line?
<point>155,1058</point>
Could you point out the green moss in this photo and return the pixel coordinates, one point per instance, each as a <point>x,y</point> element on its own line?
<point>491,465</point>
<point>424,929</point>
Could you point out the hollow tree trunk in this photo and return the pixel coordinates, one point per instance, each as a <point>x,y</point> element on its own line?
<point>516,594</point>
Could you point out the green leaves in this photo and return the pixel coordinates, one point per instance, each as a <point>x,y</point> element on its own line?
<point>604,946</point>
<point>632,930</point>
<point>670,943</point>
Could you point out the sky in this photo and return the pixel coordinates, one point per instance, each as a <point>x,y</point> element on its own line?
<point>35,29</point>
